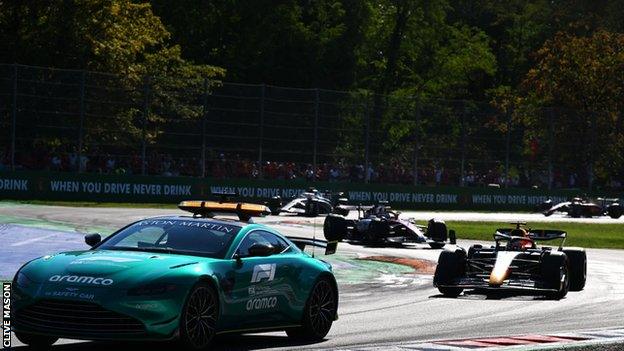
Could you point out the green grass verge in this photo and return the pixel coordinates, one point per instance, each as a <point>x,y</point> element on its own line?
<point>590,235</point>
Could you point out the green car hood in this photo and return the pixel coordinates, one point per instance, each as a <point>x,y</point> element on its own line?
<point>113,269</point>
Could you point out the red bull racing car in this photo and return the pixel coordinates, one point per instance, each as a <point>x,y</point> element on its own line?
<point>514,262</point>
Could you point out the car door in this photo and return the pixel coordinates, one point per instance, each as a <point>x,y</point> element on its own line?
<point>262,285</point>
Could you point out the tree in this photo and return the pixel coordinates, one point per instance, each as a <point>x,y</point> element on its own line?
<point>582,76</point>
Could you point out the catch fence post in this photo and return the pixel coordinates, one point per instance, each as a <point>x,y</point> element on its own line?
<point>551,118</point>
<point>507,145</point>
<point>146,102</point>
<point>463,142</point>
<point>592,140</point>
<point>367,143</point>
<point>416,141</point>
<point>261,130</point>
<point>204,118</point>
<point>82,117</point>
<point>14,116</point>
<point>316,120</point>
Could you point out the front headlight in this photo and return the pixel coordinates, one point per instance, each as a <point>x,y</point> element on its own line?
<point>151,289</point>
<point>22,280</point>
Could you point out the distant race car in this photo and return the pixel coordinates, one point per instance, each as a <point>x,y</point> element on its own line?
<point>579,207</point>
<point>310,203</point>
<point>178,277</point>
<point>379,224</point>
<point>515,262</point>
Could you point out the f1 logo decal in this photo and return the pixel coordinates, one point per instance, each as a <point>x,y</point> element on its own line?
<point>262,271</point>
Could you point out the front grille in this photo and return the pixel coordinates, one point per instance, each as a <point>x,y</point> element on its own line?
<point>69,318</point>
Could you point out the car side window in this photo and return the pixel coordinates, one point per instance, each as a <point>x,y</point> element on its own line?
<point>275,241</point>
<point>261,237</point>
<point>252,238</point>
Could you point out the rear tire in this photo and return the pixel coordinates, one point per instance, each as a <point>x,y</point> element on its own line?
<point>319,313</point>
<point>555,273</point>
<point>451,265</point>
<point>615,211</point>
<point>334,227</point>
<point>36,342</point>
<point>577,267</point>
<point>199,317</point>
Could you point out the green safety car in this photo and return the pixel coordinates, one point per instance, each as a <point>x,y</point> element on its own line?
<point>178,277</point>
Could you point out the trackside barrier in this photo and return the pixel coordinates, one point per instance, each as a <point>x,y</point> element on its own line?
<point>114,188</point>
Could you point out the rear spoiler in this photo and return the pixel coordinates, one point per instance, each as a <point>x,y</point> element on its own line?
<point>537,234</point>
<point>301,243</point>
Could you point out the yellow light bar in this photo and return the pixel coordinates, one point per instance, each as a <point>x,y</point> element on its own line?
<point>206,208</point>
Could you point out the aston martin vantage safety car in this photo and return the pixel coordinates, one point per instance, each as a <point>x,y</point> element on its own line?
<point>514,262</point>
<point>186,277</point>
<point>380,225</point>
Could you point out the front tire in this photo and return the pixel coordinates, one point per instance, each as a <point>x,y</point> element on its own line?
<point>577,263</point>
<point>37,342</point>
<point>451,265</point>
<point>556,273</point>
<point>199,317</point>
<point>318,314</point>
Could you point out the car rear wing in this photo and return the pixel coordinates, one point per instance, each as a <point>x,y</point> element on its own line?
<point>329,246</point>
<point>504,234</point>
<point>244,211</point>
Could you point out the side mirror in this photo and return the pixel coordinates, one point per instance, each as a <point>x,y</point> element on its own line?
<point>93,239</point>
<point>452,237</point>
<point>261,250</point>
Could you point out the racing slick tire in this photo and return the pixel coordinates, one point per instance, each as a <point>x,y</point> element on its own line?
<point>555,273</point>
<point>451,265</point>
<point>576,210</point>
<point>36,342</point>
<point>615,211</point>
<point>319,312</point>
<point>199,317</point>
<point>334,227</point>
<point>577,267</point>
<point>341,211</point>
<point>275,205</point>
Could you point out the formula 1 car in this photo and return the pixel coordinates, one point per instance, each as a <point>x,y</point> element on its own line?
<point>310,203</point>
<point>515,263</point>
<point>178,277</point>
<point>379,224</point>
<point>584,208</point>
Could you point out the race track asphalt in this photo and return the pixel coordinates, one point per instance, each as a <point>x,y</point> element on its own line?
<point>380,313</point>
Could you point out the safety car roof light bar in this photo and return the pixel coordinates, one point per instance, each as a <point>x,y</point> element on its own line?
<point>244,211</point>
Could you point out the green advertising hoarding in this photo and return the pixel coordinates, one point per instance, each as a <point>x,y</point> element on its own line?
<point>125,188</point>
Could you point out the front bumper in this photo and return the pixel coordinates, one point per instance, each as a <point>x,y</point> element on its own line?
<point>82,315</point>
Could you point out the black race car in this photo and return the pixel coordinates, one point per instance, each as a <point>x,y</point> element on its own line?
<point>379,224</point>
<point>516,263</point>
<point>579,207</point>
<point>310,203</point>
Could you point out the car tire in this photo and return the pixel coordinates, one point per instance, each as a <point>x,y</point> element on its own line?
<point>576,211</point>
<point>195,335</point>
<point>36,342</point>
<point>615,211</point>
<point>319,312</point>
<point>451,265</point>
<point>554,269</point>
<point>334,227</point>
<point>577,267</point>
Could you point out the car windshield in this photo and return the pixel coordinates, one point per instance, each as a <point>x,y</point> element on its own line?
<point>187,237</point>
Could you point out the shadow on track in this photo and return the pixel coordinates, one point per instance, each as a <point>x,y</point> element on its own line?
<point>229,342</point>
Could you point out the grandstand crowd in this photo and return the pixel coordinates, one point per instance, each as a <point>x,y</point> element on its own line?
<point>224,166</point>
